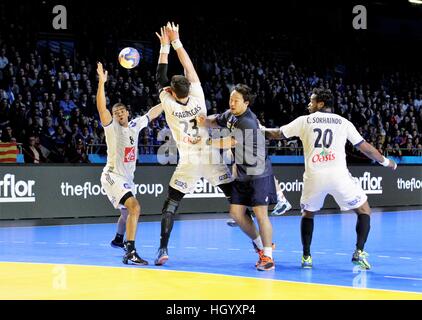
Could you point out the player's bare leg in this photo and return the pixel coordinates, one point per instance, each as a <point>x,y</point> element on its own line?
<point>134,211</point>
<point>265,227</point>
<point>244,221</point>
<point>121,223</point>
<point>266,261</point>
<point>118,241</point>
<point>363,226</point>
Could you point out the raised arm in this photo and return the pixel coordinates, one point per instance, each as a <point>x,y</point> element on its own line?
<point>163,59</point>
<point>155,112</point>
<point>373,154</point>
<point>173,34</point>
<point>105,115</point>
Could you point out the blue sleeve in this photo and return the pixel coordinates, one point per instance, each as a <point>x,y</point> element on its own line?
<point>222,118</point>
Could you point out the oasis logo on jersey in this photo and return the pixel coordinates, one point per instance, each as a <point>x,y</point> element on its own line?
<point>129,154</point>
<point>324,156</point>
<point>16,191</point>
<point>371,185</point>
<point>204,189</point>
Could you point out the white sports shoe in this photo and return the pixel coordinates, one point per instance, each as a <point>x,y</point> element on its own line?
<point>281,207</point>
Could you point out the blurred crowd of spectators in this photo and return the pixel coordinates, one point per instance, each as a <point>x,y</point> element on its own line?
<point>48,100</point>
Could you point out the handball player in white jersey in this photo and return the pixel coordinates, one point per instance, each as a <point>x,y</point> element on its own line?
<point>117,177</point>
<point>324,136</point>
<point>182,100</point>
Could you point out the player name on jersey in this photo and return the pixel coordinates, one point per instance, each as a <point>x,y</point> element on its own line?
<point>328,120</point>
<point>188,113</point>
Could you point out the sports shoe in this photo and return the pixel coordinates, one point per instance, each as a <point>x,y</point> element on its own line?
<point>133,258</point>
<point>232,223</point>
<point>116,244</point>
<point>281,207</point>
<point>265,264</point>
<point>306,262</point>
<point>359,258</point>
<point>162,257</point>
<point>260,252</point>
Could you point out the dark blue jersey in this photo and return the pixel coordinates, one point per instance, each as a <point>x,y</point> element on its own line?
<point>250,153</point>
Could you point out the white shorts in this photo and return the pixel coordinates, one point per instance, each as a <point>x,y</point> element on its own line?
<point>187,175</point>
<point>116,186</point>
<point>346,191</point>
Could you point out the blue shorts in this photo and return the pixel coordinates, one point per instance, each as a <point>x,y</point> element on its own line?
<point>253,193</point>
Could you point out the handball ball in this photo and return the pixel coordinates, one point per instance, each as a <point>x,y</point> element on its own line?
<point>129,58</point>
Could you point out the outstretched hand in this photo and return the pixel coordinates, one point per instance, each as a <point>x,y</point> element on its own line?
<point>172,31</point>
<point>163,36</point>
<point>200,120</point>
<point>102,75</point>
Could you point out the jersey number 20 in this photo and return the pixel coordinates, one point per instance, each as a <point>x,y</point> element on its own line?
<point>327,138</point>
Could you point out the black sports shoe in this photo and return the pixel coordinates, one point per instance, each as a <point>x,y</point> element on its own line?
<point>162,257</point>
<point>133,258</point>
<point>116,244</point>
<point>232,223</point>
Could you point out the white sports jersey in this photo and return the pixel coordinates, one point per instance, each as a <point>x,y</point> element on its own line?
<point>181,118</point>
<point>324,138</point>
<point>122,146</point>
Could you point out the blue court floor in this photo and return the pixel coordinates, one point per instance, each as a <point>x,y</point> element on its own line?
<point>209,246</point>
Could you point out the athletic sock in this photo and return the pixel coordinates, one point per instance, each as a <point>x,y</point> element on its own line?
<point>306,230</point>
<point>258,243</point>
<point>268,251</point>
<point>119,237</point>
<point>362,229</point>
<point>130,246</point>
<point>280,196</point>
<point>167,222</point>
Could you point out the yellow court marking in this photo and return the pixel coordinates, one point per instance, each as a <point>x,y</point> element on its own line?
<point>52,281</point>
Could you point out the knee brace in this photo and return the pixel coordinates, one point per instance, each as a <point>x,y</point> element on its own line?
<point>167,220</point>
<point>170,207</point>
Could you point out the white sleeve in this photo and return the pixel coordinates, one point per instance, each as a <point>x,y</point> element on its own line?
<point>294,128</point>
<point>110,131</point>
<point>353,135</point>
<point>139,122</point>
<point>196,90</point>
<point>167,100</point>
<point>110,126</point>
